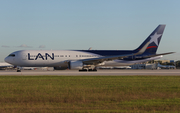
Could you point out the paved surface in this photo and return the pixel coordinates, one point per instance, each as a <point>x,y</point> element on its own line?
<point>175,72</point>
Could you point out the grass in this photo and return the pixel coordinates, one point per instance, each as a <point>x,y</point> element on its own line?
<point>89,94</point>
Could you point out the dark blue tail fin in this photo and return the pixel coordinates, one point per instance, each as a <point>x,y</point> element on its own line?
<point>154,38</point>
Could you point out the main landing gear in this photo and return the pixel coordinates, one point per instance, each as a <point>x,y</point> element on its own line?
<point>85,70</point>
<point>92,70</point>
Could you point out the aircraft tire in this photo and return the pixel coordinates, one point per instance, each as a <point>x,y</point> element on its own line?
<point>82,70</point>
<point>90,70</point>
<point>18,70</point>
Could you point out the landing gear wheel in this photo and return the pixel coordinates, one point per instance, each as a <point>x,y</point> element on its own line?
<point>18,70</point>
<point>90,70</point>
<point>82,70</point>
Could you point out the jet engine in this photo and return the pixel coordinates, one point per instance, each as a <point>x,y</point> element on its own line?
<point>76,65</point>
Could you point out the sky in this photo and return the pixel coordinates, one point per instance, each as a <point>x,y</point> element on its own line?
<point>81,24</point>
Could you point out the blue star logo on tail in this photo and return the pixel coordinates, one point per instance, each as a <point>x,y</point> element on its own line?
<point>154,38</point>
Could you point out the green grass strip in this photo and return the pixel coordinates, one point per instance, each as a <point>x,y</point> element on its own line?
<point>89,94</point>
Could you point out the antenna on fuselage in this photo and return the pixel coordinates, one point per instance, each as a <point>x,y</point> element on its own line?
<point>90,48</point>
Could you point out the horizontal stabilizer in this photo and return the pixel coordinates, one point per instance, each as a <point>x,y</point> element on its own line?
<point>158,54</point>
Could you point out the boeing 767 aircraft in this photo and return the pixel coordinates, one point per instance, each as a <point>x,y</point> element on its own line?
<point>88,60</point>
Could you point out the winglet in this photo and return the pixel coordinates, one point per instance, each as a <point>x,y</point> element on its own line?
<point>143,49</point>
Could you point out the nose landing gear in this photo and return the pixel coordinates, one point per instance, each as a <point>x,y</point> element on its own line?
<point>18,70</point>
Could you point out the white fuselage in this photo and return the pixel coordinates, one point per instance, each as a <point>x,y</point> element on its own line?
<point>51,58</point>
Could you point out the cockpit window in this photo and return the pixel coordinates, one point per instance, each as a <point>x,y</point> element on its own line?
<point>12,55</point>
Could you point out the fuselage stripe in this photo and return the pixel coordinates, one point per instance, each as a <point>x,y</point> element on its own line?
<point>150,47</point>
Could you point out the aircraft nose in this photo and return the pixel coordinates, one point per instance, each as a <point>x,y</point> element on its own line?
<point>7,60</point>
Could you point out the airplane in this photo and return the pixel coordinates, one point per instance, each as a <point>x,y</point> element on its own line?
<point>89,60</point>
<point>166,66</point>
<point>4,65</point>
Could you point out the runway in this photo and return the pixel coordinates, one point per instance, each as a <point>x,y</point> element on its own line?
<point>175,72</point>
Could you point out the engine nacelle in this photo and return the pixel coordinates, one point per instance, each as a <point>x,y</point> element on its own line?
<point>76,65</point>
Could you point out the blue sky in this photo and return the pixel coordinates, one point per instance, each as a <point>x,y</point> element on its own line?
<point>80,24</point>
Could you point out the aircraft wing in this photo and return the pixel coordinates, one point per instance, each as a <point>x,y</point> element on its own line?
<point>95,61</point>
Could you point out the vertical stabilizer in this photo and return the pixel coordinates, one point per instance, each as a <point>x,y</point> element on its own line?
<point>154,39</point>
